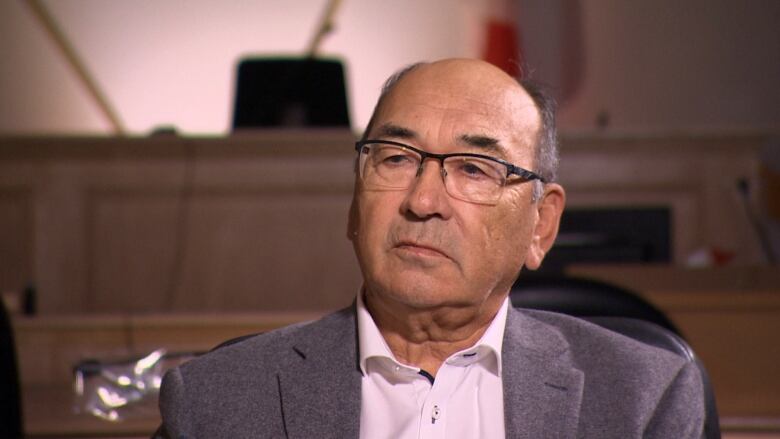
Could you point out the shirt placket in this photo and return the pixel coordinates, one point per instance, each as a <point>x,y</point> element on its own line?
<point>434,410</point>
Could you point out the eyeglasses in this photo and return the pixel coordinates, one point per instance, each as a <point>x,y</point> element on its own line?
<point>477,178</point>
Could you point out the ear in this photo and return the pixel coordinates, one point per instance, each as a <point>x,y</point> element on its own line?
<point>549,210</point>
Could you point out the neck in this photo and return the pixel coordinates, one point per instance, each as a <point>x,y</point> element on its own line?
<point>425,338</point>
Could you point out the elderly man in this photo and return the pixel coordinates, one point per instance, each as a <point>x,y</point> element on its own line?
<point>454,194</point>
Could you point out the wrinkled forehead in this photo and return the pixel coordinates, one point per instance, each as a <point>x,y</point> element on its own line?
<point>457,99</point>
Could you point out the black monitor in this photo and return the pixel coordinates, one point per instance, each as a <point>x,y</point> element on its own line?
<point>290,92</point>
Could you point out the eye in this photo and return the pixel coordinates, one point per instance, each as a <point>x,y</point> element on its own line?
<point>474,169</point>
<point>471,169</point>
<point>395,157</point>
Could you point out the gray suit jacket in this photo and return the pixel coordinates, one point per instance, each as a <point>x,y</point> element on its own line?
<point>563,378</point>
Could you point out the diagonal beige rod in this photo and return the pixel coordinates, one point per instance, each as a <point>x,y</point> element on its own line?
<point>326,25</point>
<point>48,23</point>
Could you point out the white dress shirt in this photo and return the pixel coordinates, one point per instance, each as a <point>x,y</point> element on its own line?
<point>466,400</point>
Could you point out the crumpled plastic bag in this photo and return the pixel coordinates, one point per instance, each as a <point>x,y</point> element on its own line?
<point>120,390</point>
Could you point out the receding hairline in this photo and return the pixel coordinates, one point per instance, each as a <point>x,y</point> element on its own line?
<point>464,67</point>
<point>544,138</point>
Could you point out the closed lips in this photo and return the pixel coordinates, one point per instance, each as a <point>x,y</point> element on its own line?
<point>421,248</point>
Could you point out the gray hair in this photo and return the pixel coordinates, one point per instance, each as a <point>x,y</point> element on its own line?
<point>546,148</point>
<point>546,151</point>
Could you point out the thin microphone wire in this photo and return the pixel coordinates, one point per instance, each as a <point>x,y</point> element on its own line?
<point>743,187</point>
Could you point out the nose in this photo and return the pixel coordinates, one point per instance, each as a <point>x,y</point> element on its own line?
<point>428,196</point>
<point>426,159</point>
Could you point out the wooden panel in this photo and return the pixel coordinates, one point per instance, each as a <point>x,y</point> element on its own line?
<point>233,263</point>
<point>132,259</point>
<point>741,351</point>
<point>16,239</point>
<point>257,219</point>
<point>47,350</point>
<point>202,332</point>
<point>60,238</point>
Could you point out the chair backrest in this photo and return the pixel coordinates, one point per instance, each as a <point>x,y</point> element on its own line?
<point>619,310</point>
<point>10,399</point>
<point>654,335</point>
<point>582,297</point>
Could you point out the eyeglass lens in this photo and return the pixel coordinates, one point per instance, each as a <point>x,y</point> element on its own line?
<point>396,167</point>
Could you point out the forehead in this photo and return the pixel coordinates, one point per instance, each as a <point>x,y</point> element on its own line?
<point>444,103</point>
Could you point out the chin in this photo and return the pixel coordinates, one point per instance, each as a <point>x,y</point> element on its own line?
<point>426,295</point>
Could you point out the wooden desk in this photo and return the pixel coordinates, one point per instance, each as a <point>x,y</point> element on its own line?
<point>49,413</point>
<point>49,347</point>
<point>734,332</point>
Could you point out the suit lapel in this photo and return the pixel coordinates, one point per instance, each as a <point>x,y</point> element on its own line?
<point>320,388</point>
<point>542,391</point>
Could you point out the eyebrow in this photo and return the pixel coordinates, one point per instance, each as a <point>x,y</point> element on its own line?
<point>485,143</point>
<point>399,132</point>
<point>480,141</point>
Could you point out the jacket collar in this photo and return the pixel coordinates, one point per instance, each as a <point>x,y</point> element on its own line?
<point>542,390</point>
<point>320,388</point>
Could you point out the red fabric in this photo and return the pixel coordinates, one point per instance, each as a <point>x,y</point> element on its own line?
<point>501,46</point>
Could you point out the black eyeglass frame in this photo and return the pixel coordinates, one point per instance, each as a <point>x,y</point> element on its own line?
<point>510,168</point>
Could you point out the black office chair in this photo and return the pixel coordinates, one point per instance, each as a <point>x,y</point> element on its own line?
<point>618,310</point>
<point>10,397</point>
<point>582,297</point>
<point>654,335</point>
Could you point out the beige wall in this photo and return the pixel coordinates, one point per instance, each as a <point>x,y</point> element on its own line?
<point>661,65</point>
<point>172,62</point>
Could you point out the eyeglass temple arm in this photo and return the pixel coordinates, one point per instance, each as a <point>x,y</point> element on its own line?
<point>525,174</point>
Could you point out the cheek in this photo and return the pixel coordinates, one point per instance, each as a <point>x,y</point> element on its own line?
<point>510,232</point>
<point>374,214</point>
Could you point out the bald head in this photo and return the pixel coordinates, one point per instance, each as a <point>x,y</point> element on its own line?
<point>520,106</point>
<point>469,76</point>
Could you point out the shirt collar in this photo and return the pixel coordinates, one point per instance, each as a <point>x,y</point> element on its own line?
<point>370,340</point>
<point>373,345</point>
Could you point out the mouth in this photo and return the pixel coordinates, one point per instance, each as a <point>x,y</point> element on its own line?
<point>421,250</point>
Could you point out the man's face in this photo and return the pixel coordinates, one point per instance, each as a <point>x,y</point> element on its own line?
<point>420,246</point>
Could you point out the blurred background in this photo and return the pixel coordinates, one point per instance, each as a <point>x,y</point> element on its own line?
<point>137,215</point>
<point>662,65</point>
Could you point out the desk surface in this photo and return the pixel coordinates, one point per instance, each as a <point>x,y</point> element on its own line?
<point>728,315</point>
<point>49,413</point>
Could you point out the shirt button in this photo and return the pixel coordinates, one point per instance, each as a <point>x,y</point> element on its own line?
<point>435,414</point>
